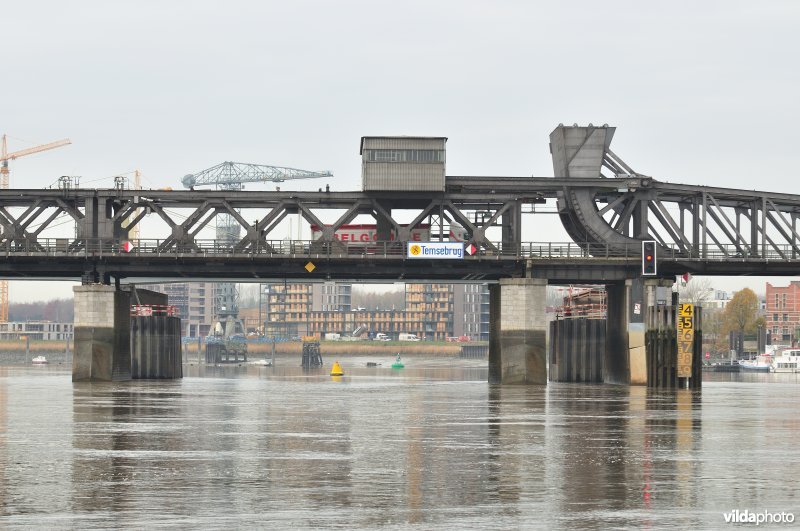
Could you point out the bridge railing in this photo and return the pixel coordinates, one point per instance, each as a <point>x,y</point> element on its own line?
<point>95,247</point>
<point>713,252</point>
<point>87,247</point>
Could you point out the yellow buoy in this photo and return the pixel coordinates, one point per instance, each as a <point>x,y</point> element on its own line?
<point>336,370</point>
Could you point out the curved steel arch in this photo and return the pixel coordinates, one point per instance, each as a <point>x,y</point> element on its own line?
<point>687,220</point>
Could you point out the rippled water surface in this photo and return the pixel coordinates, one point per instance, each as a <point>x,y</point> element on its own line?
<point>431,446</point>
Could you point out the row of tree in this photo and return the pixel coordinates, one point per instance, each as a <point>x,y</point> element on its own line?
<point>57,310</point>
<point>361,297</point>
<point>740,314</point>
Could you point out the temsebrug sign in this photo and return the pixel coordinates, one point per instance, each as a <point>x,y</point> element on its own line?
<point>436,250</point>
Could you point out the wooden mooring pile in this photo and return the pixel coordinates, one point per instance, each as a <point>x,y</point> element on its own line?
<point>155,342</point>
<point>576,347</point>
<point>312,357</point>
<point>673,342</point>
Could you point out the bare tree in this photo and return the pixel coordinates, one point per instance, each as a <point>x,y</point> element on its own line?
<point>371,300</point>
<point>554,296</point>
<point>56,310</point>
<point>696,291</point>
<point>248,295</point>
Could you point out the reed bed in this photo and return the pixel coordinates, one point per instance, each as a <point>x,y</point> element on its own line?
<point>18,345</point>
<point>353,348</point>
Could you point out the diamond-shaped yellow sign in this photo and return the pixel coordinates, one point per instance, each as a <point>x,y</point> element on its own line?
<point>310,267</point>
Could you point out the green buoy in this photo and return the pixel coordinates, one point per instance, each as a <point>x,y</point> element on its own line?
<point>397,363</point>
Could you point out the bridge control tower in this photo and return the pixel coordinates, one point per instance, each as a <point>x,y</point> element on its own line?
<point>403,164</point>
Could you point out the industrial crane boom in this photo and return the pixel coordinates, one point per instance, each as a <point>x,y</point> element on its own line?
<point>5,156</point>
<point>29,151</point>
<point>231,175</point>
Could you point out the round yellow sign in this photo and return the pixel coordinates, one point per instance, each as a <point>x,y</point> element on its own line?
<point>415,250</point>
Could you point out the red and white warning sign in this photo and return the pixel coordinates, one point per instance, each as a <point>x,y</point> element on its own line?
<point>470,249</point>
<point>127,247</point>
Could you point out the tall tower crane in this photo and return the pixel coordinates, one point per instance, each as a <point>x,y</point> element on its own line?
<point>5,156</point>
<point>232,176</point>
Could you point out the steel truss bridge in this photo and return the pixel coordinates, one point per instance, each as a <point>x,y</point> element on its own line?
<point>699,229</point>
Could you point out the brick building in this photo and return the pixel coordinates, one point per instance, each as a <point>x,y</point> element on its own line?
<point>782,312</point>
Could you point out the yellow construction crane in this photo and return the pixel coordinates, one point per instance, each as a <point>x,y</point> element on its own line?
<point>5,156</point>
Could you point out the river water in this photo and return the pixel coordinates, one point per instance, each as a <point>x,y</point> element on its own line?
<point>431,446</point>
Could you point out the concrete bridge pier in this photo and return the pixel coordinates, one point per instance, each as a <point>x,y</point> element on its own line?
<point>518,331</point>
<point>624,361</point>
<point>105,348</point>
<point>102,334</point>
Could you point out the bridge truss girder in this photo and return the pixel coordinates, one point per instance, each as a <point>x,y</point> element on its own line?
<point>691,221</point>
<point>476,214</point>
<point>695,222</point>
<point>608,217</point>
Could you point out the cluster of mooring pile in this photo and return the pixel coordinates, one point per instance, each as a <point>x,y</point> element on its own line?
<point>674,342</point>
<point>312,357</point>
<point>662,347</point>
<point>155,342</point>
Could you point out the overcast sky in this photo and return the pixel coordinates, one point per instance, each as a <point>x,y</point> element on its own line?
<point>701,92</point>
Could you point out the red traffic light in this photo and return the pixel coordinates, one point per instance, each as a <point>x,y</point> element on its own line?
<point>649,257</point>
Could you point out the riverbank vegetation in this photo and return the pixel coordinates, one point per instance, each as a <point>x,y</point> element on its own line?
<point>19,345</point>
<point>354,348</point>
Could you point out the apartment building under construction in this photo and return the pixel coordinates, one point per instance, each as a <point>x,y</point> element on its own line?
<point>296,309</point>
<point>432,311</point>
<point>195,303</point>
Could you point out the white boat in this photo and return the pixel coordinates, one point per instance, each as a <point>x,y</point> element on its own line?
<point>39,360</point>
<point>263,363</point>
<point>786,361</point>
<point>762,363</point>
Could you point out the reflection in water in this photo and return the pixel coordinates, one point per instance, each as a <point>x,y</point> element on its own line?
<point>672,437</point>
<point>4,497</point>
<point>516,436</point>
<point>432,446</point>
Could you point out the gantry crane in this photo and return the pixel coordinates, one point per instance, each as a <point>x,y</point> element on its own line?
<point>5,156</point>
<point>232,176</point>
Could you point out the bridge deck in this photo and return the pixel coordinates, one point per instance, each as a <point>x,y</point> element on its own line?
<point>557,261</point>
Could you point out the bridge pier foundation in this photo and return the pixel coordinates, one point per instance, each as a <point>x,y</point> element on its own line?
<point>518,331</point>
<point>105,350</point>
<point>625,361</point>
<point>102,334</point>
